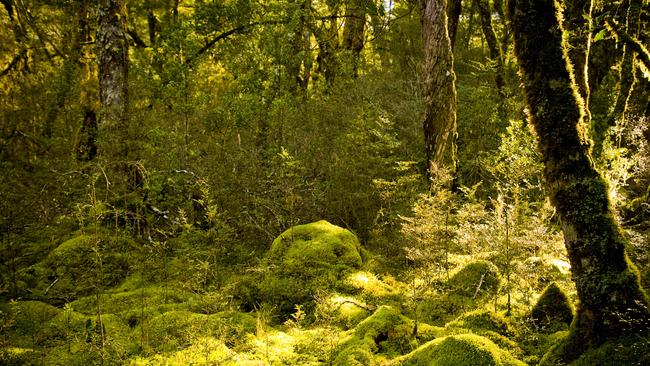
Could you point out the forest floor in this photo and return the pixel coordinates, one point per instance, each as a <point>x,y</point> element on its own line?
<point>318,297</point>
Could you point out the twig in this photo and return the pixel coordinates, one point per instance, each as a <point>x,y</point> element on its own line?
<point>480,283</point>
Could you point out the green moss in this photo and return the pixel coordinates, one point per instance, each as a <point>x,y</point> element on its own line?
<point>319,243</point>
<point>119,302</point>
<point>386,331</point>
<point>479,321</point>
<point>459,350</point>
<point>631,349</point>
<point>372,288</point>
<point>477,279</point>
<point>27,317</point>
<point>177,329</point>
<point>626,351</point>
<point>81,264</point>
<point>204,351</point>
<point>14,356</point>
<point>303,261</point>
<point>344,311</point>
<point>443,308</point>
<point>552,309</point>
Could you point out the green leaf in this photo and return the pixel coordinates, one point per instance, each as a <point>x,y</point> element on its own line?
<point>600,35</point>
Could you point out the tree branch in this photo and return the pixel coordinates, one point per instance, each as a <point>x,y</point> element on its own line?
<point>245,27</point>
<point>629,41</point>
<point>229,33</point>
<point>13,62</point>
<point>136,38</point>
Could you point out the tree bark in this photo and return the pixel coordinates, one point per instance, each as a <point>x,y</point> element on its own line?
<point>610,299</point>
<point>485,13</point>
<point>439,79</point>
<point>627,74</point>
<point>454,9</point>
<point>328,42</point>
<point>577,23</point>
<point>353,33</point>
<point>112,57</point>
<point>87,146</point>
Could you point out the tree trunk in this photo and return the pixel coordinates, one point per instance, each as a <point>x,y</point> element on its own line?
<point>485,13</point>
<point>627,74</point>
<point>454,9</point>
<point>353,33</point>
<point>87,147</point>
<point>112,57</point>
<point>328,41</point>
<point>610,299</point>
<point>577,23</point>
<point>439,79</point>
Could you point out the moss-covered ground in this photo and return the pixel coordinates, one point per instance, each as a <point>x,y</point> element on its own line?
<point>316,297</point>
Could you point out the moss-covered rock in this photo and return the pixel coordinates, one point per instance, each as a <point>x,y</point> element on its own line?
<point>303,262</point>
<point>477,279</point>
<point>319,243</point>
<point>552,309</point>
<point>481,321</point>
<point>27,317</point>
<point>370,287</point>
<point>177,329</point>
<point>80,265</point>
<point>468,289</point>
<point>631,349</point>
<point>127,301</point>
<point>459,350</point>
<point>344,311</point>
<point>386,331</point>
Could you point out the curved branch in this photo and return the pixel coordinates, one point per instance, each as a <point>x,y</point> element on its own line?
<point>229,33</point>
<point>13,62</point>
<point>634,44</point>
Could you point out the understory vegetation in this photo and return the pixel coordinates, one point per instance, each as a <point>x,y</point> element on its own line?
<point>240,218</point>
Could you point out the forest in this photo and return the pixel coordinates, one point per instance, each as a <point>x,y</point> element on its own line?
<point>324,182</point>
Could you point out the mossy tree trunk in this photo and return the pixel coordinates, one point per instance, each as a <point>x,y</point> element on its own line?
<point>439,80</point>
<point>112,57</point>
<point>577,24</point>
<point>610,299</point>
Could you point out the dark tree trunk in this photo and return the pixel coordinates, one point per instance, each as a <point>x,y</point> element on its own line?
<point>610,299</point>
<point>299,47</point>
<point>454,9</point>
<point>20,35</point>
<point>87,147</point>
<point>485,13</point>
<point>112,57</point>
<point>353,33</point>
<point>439,80</point>
<point>328,42</point>
<point>577,23</point>
<point>152,25</point>
<point>627,74</point>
